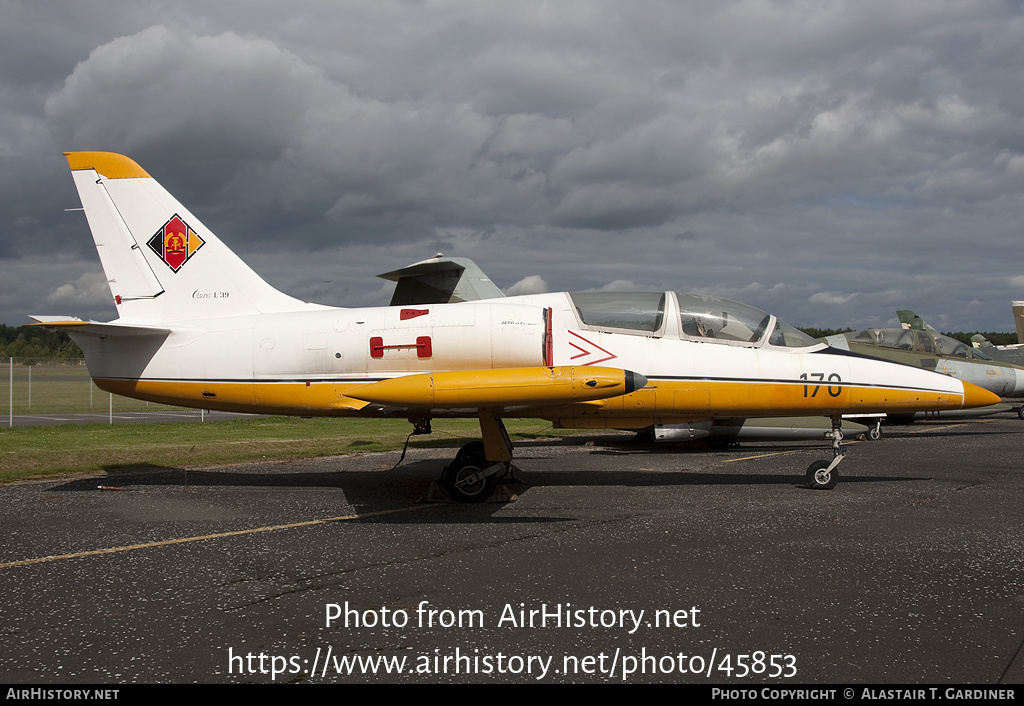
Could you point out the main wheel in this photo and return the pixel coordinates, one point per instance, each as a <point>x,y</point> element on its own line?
<point>819,477</point>
<point>473,448</point>
<point>1020,412</point>
<point>874,432</point>
<point>463,467</point>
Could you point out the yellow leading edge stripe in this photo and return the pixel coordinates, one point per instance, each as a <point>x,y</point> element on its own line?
<point>185,540</point>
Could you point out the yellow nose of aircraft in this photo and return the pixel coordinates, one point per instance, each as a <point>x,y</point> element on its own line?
<point>975,396</point>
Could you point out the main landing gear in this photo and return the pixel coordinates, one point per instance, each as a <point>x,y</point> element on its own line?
<point>822,475</point>
<point>473,476</point>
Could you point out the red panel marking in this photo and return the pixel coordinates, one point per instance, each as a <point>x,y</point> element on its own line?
<point>586,351</point>
<point>406,314</point>
<point>423,347</point>
<point>376,347</point>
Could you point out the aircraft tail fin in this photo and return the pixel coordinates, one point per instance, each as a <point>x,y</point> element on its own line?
<point>1018,320</point>
<point>911,320</point>
<point>441,280</point>
<point>161,262</point>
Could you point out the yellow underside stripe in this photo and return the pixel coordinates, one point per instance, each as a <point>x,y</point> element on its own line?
<point>657,400</point>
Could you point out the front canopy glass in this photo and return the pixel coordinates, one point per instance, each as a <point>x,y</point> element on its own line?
<point>726,321</point>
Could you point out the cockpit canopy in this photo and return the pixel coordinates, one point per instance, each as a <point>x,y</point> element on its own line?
<point>701,318</point>
<point>905,339</point>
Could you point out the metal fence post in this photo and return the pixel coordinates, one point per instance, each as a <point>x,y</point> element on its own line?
<point>10,398</point>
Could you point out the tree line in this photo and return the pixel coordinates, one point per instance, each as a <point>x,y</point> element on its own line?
<point>36,342</point>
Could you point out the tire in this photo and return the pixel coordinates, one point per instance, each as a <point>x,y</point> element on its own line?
<point>477,492</point>
<point>818,479</point>
<point>473,448</point>
<point>874,433</point>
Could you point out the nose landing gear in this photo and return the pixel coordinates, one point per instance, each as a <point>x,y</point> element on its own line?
<point>822,475</point>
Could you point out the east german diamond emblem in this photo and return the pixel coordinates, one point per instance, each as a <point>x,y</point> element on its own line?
<point>175,242</point>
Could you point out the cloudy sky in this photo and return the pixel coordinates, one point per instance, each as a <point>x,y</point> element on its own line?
<point>828,160</point>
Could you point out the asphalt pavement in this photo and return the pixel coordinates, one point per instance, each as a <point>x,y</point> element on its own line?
<point>618,562</point>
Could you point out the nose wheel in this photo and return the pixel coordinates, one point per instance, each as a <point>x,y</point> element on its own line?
<point>819,477</point>
<point>822,475</point>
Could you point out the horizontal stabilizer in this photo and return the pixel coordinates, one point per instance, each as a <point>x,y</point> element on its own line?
<point>70,324</point>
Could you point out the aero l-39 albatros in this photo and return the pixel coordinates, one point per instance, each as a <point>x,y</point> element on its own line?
<point>922,346</point>
<point>196,327</point>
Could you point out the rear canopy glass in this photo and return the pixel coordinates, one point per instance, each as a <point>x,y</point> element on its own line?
<point>631,311</point>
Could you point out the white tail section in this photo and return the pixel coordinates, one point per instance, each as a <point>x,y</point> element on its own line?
<point>161,262</point>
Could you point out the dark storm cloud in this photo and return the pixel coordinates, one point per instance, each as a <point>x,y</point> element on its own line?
<point>837,160</point>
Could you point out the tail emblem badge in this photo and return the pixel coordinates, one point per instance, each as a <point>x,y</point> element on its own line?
<point>175,242</point>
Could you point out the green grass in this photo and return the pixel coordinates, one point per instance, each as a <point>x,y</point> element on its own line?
<point>40,452</point>
<point>60,388</point>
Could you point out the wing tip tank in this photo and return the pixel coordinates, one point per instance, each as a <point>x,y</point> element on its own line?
<point>499,387</point>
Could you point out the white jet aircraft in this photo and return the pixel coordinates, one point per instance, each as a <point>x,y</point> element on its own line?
<point>196,327</point>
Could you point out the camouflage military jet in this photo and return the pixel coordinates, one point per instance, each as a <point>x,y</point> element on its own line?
<point>919,345</point>
<point>999,363</point>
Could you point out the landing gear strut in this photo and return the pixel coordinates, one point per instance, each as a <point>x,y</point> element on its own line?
<point>473,476</point>
<point>822,475</point>
<point>875,430</point>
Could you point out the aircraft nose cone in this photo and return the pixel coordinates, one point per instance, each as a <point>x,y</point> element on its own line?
<point>975,396</point>
<point>634,381</point>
